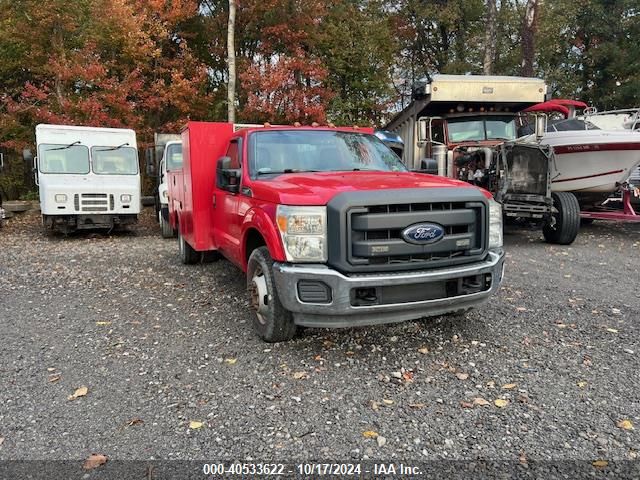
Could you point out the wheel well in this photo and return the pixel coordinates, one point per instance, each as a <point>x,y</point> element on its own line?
<point>253,240</point>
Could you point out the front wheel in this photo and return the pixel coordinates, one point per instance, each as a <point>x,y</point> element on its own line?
<point>188,255</point>
<point>165,227</point>
<point>564,226</point>
<point>272,321</point>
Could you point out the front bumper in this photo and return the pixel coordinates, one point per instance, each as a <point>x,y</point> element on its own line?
<point>342,311</point>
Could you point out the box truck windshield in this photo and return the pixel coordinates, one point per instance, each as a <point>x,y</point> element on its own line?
<point>468,129</point>
<point>69,159</point>
<point>283,151</point>
<point>114,161</point>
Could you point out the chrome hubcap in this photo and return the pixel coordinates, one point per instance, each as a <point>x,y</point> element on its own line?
<point>259,295</point>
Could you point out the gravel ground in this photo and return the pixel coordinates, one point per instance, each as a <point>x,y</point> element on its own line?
<point>159,345</point>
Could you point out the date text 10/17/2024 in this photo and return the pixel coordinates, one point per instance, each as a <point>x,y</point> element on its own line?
<point>319,469</point>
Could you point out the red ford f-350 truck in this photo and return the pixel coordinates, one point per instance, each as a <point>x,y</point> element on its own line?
<point>331,228</point>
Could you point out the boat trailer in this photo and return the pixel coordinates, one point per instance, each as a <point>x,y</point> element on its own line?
<point>624,214</point>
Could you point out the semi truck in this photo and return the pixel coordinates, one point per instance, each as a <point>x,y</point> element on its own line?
<point>88,177</point>
<point>467,127</point>
<point>331,229</point>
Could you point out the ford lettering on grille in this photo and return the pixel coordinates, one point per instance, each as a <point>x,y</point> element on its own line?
<point>423,233</point>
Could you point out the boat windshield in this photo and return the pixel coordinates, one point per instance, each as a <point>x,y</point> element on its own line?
<point>569,125</point>
<point>287,151</point>
<point>69,159</point>
<point>114,160</point>
<point>480,128</point>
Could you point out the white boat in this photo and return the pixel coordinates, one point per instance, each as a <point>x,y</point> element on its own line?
<point>589,162</point>
<point>592,161</point>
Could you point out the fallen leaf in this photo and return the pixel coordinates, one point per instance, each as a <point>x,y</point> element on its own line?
<point>194,425</point>
<point>230,361</point>
<point>423,350</point>
<point>54,378</point>
<point>509,386</point>
<point>462,376</point>
<point>387,401</point>
<point>375,406</point>
<point>408,376</point>
<point>480,401</point>
<point>101,324</point>
<point>417,406</point>
<point>464,404</point>
<point>134,421</point>
<point>600,463</point>
<point>500,403</point>
<point>94,461</point>
<point>625,424</point>
<point>300,375</point>
<point>582,384</point>
<point>80,392</point>
<point>369,434</point>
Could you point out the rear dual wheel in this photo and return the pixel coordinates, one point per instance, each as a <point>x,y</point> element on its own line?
<point>188,255</point>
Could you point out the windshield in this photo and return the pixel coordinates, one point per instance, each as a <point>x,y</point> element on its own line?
<point>470,129</point>
<point>174,156</point>
<point>63,159</point>
<point>114,160</point>
<point>288,151</point>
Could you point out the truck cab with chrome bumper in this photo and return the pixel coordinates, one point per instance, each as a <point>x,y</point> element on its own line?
<point>378,273</point>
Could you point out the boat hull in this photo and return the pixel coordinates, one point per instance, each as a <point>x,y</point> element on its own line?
<point>592,161</point>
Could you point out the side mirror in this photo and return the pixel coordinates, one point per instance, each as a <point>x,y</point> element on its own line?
<point>541,126</point>
<point>429,165</point>
<point>28,156</point>
<point>227,178</point>
<point>150,164</point>
<point>423,129</point>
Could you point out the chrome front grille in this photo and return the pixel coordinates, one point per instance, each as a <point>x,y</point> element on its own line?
<point>376,233</point>
<point>94,202</point>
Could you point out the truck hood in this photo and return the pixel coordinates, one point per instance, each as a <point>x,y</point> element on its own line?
<point>319,188</point>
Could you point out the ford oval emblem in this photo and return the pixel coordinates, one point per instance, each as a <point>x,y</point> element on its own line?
<point>423,233</point>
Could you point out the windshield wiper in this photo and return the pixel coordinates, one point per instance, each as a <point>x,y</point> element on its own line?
<point>111,148</point>
<point>64,147</point>
<point>286,170</point>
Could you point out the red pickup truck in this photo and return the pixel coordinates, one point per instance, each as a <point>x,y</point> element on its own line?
<point>331,228</point>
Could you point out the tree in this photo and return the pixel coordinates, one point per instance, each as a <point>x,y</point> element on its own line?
<point>490,37</point>
<point>529,29</point>
<point>231,55</point>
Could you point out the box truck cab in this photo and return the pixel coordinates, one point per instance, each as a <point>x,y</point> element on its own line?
<point>171,160</point>
<point>87,177</point>
<point>330,227</point>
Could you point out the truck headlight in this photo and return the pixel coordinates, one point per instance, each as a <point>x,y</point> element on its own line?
<point>126,198</point>
<point>60,198</point>
<point>304,232</point>
<point>495,224</point>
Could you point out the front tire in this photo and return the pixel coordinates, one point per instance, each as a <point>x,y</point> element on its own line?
<point>188,255</point>
<point>165,227</point>
<point>272,321</point>
<point>567,219</point>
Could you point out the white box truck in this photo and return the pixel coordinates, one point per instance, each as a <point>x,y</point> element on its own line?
<point>88,177</point>
<point>166,154</point>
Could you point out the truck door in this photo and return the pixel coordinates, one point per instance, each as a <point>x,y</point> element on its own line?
<point>226,219</point>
